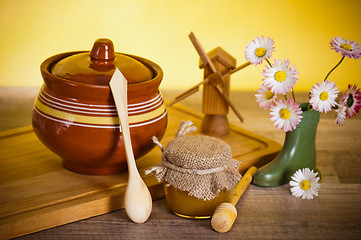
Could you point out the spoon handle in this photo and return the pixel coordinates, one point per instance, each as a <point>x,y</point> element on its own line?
<point>119,85</point>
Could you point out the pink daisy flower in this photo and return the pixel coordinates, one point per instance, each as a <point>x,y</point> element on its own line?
<point>280,78</point>
<point>286,115</point>
<point>340,114</point>
<point>265,97</point>
<point>346,47</point>
<point>323,96</point>
<point>259,49</point>
<point>352,100</point>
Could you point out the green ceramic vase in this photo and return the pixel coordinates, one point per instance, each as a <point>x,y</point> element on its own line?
<point>299,151</point>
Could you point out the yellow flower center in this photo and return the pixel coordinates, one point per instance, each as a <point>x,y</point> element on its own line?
<point>280,76</point>
<point>324,96</point>
<point>260,52</point>
<point>269,95</point>
<point>346,46</point>
<point>305,185</point>
<point>285,114</point>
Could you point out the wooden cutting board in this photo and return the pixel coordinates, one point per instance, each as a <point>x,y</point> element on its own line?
<point>37,193</point>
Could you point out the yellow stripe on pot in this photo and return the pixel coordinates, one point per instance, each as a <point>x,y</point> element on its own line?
<point>97,120</point>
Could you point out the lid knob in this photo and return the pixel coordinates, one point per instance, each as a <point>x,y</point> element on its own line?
<point>102,55</point>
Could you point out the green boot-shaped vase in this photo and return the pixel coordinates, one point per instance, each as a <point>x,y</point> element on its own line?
<point>299,151</point>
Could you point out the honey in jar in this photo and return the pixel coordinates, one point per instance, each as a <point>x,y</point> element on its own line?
<point>198,173</point>
<point>184,205</point>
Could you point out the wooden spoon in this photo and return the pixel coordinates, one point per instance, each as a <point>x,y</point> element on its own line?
<point>137,199</point>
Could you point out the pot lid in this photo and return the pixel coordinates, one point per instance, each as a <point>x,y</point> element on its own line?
<point>98,65</point>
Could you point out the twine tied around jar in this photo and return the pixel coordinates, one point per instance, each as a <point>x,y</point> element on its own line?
<point>198,164</point>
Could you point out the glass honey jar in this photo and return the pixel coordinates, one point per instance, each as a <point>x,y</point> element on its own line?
<point>198,173</point>
<point>184,205</point>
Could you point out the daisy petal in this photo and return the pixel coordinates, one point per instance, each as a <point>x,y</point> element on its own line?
<point>341,113</point>
<point>352,100</point>
<point>280,78</point>
<point>286,115</point>
<point>265,97</point>
<point>346,47</point>
<point>323,96</point>
<point>259,49</point>
<point>305,184</point>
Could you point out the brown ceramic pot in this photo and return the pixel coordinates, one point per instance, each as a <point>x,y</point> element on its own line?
<point>75,115</point>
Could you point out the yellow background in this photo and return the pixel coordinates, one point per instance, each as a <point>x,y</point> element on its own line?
<point>158,30</point>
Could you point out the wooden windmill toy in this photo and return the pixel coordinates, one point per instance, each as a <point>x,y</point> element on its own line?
<point>218,65</point>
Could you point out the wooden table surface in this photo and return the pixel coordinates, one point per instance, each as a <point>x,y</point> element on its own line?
<point>263,213</point>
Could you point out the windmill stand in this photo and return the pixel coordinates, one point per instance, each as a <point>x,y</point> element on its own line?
<point>214,106</point>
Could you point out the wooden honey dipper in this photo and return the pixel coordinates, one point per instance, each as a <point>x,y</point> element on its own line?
<point>226,213</point>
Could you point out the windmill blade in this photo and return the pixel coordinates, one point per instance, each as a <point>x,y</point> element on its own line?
<point>187,93</point>
<point>202,54</point>
<point>246,64</point>
<point>211,76</point>
<point>217,78</point>
<point>205,59</point>
<point>226,98</point>
<point>184,95</point>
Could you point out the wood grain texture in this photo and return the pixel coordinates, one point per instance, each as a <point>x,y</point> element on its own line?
<point>263,213</point>
<point>38,193</point>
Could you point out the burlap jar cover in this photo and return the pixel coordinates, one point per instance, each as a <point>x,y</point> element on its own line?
<point>198,164</point>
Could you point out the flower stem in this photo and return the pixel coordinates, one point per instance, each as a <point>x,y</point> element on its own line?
<point>285,97</point>
<point>309,104</point>
<point>334,68</point>
<point>293,95</point>
<point>268,62</point>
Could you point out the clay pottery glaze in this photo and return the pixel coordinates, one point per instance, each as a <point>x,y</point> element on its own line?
<point>75,114</point>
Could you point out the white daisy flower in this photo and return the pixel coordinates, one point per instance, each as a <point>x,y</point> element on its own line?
<point>259,49</point>
<point>305,184</point>
<point>286,115</point>
<point>340,114</point>
<point>323,96</point>
<point>346,47</point>
<point>280,78</point>
<point>352,99</point>
<point>265,97</point>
